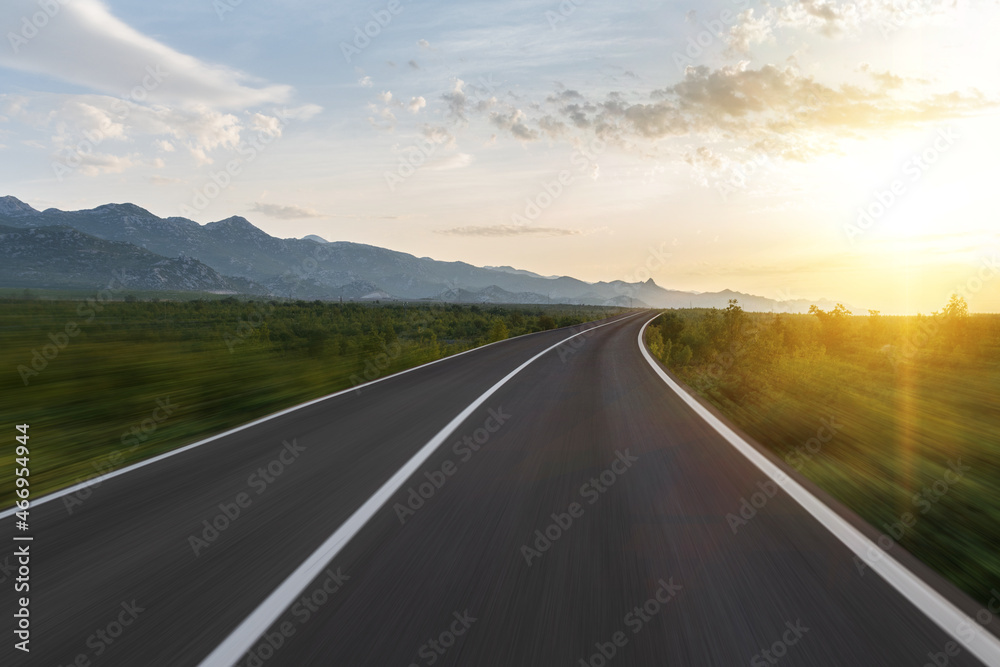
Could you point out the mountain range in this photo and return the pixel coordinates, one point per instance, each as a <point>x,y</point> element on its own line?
<point>83,249</point>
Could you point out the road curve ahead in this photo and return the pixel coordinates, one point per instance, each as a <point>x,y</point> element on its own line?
<point>526,503</point>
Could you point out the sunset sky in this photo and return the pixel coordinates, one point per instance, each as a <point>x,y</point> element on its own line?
<point>565,138</point>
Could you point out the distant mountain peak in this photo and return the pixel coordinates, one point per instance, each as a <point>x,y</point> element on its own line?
<point>15,207</point>
<point>313,237</point>
<point>237,223</point>
<point>234,254</point>
<point>125,209</point>
<point>232,221</point>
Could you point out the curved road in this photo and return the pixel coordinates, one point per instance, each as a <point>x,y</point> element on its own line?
<point>520,504</point>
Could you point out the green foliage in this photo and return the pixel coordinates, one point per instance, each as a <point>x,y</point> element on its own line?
<point>833,324</point>
<point>682,357</point>
<point>912,393</point>
<point>654,339</point>
<point>498,331</point>
<point>223,362</point>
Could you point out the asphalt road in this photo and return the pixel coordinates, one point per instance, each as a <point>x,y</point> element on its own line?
<point>639,565</point>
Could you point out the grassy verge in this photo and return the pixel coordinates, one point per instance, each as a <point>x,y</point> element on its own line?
<point>913,400</point>
<point>106,384</point>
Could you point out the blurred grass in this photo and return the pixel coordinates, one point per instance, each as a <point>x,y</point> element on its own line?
<point>910,394</point>
<point>221,363</point>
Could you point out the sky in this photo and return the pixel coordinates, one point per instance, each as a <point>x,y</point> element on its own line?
<point>802,149</point>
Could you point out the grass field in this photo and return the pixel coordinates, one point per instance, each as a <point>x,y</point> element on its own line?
<point>911,398</point>
<point>106,383</point>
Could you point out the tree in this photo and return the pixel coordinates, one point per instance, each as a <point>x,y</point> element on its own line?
<point>671,325</point>
<point>833,324</point>
<point>957,308</point>
<point>956,316</point>
<point>498,331</point>
<point>655,341</point>
<point>683,356</point>
<point>875,328</point>
<point>734,319</point>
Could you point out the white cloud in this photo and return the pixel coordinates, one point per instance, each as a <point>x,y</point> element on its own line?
<point>284,212</point>
<point>103,122</point>
<point>416,104</point>
<point>86,45</point>
<point>748,31</point>
<point>508,230</point>
<point>457,161</point>
<point>513,122</point>
<point>365,82</point>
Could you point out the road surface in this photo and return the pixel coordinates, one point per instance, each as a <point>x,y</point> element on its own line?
<point>577,515</point>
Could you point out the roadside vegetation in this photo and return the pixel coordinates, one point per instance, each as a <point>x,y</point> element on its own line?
<point>911,398</point>
<point>103,384</point>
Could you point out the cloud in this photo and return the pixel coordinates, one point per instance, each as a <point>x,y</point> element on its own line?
<point>747,32</point>
<point>457,161</point>
<point>84,44</point>
<point>508,230</point>
<point>289,212</point>
<point>577,114</point>
<point>552,127</point>
<point>365,82</point>
<point>439,135</point>
<point>304,112</point>
<point>456,100</point>
<point>164,180</point>
<point>413,64</point>
<point>423,43</point>
<point>886,79</point>
<point>103,123</point>
<point>774,110</point>
<point>565,96</point>
<point>95,164</point>
<point>416,104</point>
<point>513,122</point>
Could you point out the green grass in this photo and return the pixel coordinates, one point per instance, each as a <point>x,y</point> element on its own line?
<point>219,363</point>
<point>904,412</point>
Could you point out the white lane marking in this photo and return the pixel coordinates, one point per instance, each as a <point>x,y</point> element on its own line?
<point>984,645</point>
<point>94,482</point>
<point>241,640</point>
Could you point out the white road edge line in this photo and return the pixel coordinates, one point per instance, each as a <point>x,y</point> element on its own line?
<point>253,626</point>
<point>947,616</point>
<point>96,481</point>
